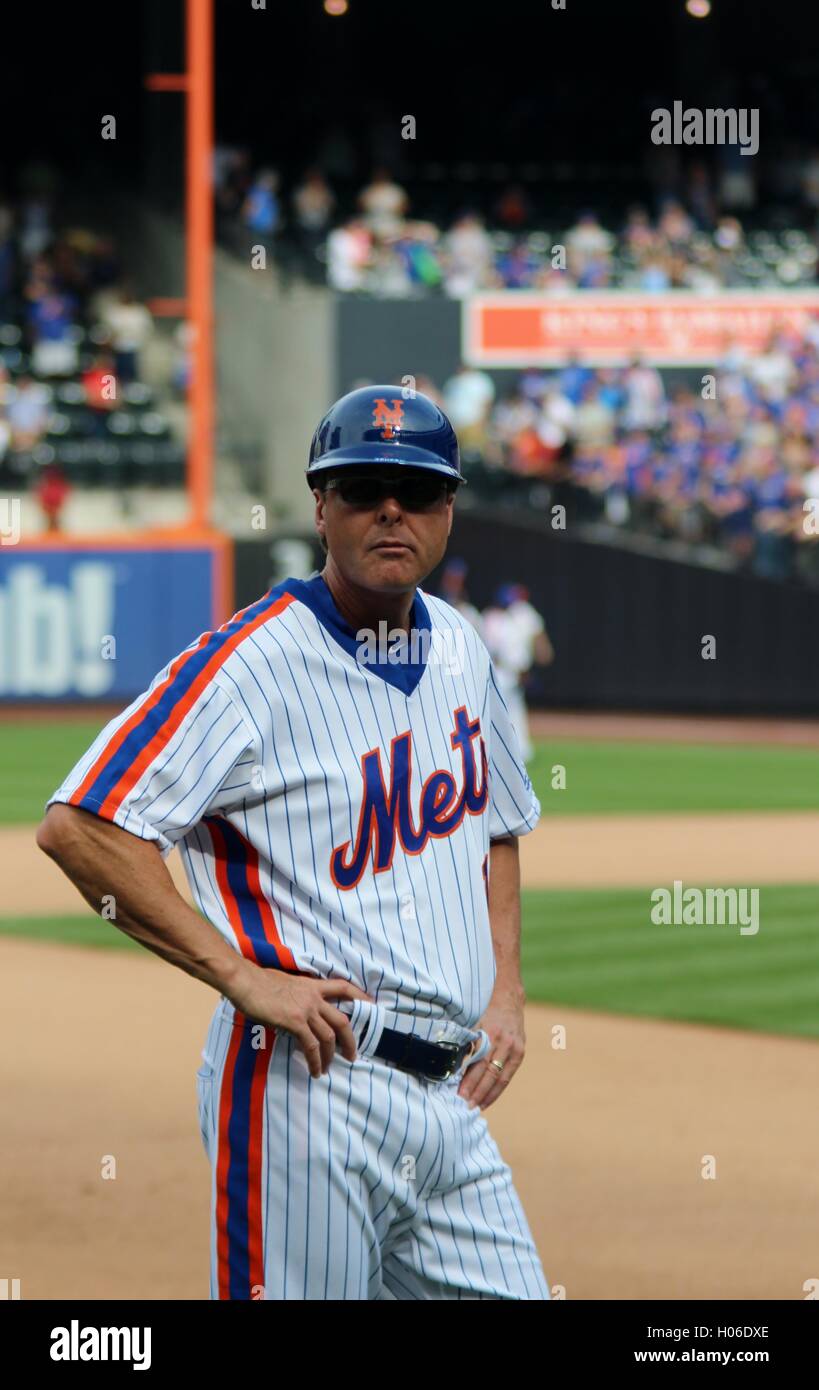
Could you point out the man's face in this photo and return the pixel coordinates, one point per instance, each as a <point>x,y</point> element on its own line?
<point>389,545</point>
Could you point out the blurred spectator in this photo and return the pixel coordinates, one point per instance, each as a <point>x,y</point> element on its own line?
<point>414,251</point>
<point>573,379</point>
<point>518,267</point>
<point>773,371</point>
<point>53,334</point>
<point>35,227</point>
<point>230,177</point>
<point>52,491</point>
<point>100,385</point>
<point>313,203</point>
<point>27,413</point>
<point>384,205</point>
<point>349,250</point>
<point>130,325</point>
<point>675,225</point>
<point>645,406</point>
<point>468,397</point>
<point>557,418</point>
<point>261,212</point>
<point>736,187</point>
<point>468,256</point>
<point>587,243</point>
<point>639,237</point>
<point>728,235</point>
<point>515,418</point>
<point>594,420</point>
<point>654,274</point>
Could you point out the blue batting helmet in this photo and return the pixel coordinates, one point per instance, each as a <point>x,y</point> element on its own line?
<point>379,425</point>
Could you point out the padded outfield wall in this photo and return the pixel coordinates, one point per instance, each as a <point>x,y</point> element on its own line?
<point>627,628</point>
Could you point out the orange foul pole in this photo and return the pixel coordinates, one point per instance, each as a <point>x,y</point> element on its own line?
<point>199,271</point>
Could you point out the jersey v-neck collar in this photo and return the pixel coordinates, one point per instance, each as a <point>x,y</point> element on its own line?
<point>315,594</point>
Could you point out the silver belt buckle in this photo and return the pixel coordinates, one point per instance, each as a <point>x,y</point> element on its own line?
<point>452,1048</point>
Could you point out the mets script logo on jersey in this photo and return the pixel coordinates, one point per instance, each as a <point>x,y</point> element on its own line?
<point>386,815</point>
<point>387,420</point>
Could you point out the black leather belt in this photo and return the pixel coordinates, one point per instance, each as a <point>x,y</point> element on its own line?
<point>434,1061</point>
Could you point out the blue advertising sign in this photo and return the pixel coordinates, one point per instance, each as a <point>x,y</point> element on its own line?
<point>98,623</point>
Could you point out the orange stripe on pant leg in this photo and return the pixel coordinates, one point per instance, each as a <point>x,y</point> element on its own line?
<point>255,1226</point>
<point>223,1162</point>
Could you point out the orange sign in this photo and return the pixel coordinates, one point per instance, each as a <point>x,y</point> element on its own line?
<point>609,328</point>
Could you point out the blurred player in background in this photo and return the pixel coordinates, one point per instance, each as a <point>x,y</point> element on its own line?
<point>453,591</point>
<point>516,637</point>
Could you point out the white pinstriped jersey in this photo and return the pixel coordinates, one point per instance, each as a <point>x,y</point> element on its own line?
<point>333,815</point>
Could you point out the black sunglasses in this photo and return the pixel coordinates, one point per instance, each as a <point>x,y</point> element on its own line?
<point>414,494</point>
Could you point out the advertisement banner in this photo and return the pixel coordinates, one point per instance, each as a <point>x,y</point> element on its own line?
<point>97,621</point>
<point>611,328</point>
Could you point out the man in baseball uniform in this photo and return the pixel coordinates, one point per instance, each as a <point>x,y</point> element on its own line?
<point>338,770</point>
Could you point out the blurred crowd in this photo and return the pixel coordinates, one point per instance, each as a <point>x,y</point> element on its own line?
<point>73,337</point>
<point>383,246</point>
<point>731,463</point>
<point>398,257</point>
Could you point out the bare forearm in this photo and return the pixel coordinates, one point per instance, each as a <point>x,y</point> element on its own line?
<point>126,880</point>
<point>504,911</point>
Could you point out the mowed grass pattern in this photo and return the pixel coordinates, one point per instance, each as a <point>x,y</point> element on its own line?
<point>601,777</point>
<point>35,757</point>
<point>635,777</point>
<point>601,951</point>
<point>593,949</point>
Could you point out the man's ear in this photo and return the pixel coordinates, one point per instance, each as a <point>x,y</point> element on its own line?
<point>319,514</point>
<point>450,502</point>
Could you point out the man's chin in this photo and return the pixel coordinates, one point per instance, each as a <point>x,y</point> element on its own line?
<point>393,570</point>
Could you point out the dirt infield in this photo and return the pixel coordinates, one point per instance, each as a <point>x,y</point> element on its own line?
<point>682,728</point>
<point>652,850</point>
<point>562,852</point>
<point>606,1139</point>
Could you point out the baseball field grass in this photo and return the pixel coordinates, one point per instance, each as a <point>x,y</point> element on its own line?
<point>620,777</point>
<point>600,950</point>
<point>591,948</point>
<point>600,776</point>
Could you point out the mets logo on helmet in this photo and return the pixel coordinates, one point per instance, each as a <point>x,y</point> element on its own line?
<point>385,419</point>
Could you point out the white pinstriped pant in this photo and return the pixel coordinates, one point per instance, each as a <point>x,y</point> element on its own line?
<point>364,1183</point>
